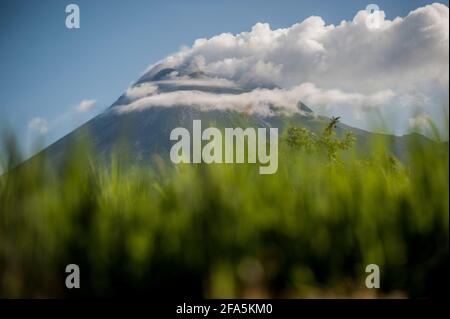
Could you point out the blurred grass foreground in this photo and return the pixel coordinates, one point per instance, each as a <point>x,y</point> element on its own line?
<point>224,230</point>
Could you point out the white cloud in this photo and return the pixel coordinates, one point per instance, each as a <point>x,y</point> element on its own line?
<point>42,126</point>
<point>400,68</point>
<point>85,105</point>
<point>260,101</point>
<point>349,55</point>
<point>256,101</point>
<point>38,125</point>
<point>140,91</point>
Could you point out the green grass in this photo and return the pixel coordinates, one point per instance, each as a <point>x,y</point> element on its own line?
<point>226,231</point>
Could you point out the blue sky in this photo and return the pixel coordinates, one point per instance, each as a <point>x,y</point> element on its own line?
<point>46,70</point>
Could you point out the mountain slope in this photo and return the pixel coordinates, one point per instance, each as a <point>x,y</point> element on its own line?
<point>146,130</point>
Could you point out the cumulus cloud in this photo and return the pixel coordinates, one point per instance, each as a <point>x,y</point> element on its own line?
<point>349,56</point>
<point>38,125</point>
<point>85,105</point>
<point>401,67</point>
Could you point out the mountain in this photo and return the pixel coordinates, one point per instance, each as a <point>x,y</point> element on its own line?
<point>145,130</point>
